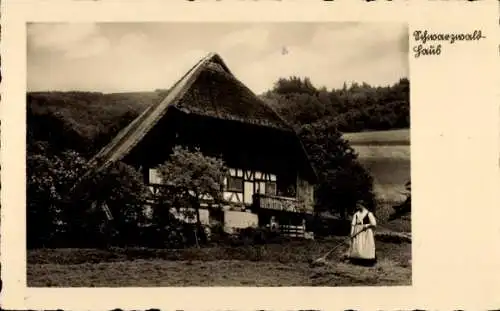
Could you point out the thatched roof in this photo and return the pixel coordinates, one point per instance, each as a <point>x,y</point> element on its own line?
<point>208,89</point>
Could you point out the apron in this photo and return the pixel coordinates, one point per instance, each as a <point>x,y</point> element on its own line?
<point>362,249</point>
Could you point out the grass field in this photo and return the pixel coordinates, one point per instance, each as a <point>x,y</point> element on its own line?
<point>264,265</point>
<point>380,138</point>
<point>386,154</point>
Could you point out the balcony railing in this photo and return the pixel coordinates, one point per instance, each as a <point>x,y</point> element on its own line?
<point>279,203</point>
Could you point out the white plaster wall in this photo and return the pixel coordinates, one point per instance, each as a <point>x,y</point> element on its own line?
<point>241,220</point>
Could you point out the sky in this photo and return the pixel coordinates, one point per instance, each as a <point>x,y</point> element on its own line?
<point>126,57</point>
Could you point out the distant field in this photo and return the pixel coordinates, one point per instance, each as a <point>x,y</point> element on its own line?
<point>380,138</point>
<point>386,154</point>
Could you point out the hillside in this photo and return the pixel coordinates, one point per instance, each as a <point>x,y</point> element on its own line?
<point>81,121</point>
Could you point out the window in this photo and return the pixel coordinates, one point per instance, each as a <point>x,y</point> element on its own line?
<point>271,188</point>
<point>154,177</point>
<point>261,187</point>
<point>266,187</point>
<point>235,184</point>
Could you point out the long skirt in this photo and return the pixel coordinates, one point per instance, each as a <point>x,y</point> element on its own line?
<point>362,249</point>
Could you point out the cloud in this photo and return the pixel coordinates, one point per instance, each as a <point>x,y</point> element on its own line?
<point>359,41</point>
<point>73,40</point>
<point>371,53</point>
<point>255,38</point>
<point>134,39</point>
<point>128,57</point>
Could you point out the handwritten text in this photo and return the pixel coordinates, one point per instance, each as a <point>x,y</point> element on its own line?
<point>424,37</point>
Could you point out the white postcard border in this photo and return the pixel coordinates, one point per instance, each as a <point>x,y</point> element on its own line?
<point>455,251</point>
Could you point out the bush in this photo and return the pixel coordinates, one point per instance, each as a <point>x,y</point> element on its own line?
<point>328,227</point>
<point>393,237</point>
<point>218,234</point>
<point>253,235</point>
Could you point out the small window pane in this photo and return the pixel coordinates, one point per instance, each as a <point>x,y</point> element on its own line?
<point>154,177</point>
<point>235,184</point>
<point>271,188</point>
<point>262,188</point>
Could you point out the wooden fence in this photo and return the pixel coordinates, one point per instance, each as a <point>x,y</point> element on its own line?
<point>294,231</point>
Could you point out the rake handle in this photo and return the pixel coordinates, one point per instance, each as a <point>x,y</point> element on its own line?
<point>341,243</point>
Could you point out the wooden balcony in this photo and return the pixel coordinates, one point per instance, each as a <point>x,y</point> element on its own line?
<point>279,203</point>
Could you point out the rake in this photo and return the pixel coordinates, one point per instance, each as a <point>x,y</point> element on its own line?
<point>322,259</point>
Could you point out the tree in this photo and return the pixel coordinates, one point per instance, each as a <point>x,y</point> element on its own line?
<point>294,84</point>
<point>117,195</point>
<point>404,208</point>
<point>342,179</point>
<point>48,180</point>
<point>54,211</point>
<point>191,176</point>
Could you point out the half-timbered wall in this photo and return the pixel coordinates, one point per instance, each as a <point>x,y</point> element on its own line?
<point>240,185</point>
<point>261,162</point>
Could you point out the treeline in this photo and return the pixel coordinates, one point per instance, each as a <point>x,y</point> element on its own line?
<point>354,108</point>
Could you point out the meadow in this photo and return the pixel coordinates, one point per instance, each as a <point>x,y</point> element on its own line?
<point>286,264</point>
<point>399,137</point>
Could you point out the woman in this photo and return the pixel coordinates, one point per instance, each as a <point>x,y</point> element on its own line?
<point>362,248</point>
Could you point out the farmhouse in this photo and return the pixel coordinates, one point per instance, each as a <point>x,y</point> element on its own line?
<point>270,174</point>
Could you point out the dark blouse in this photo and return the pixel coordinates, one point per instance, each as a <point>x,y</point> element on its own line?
<point>366,220</point>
